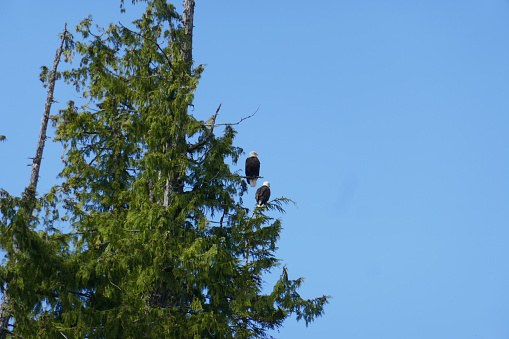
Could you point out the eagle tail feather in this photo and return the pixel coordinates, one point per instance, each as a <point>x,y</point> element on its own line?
<point>252,182</point>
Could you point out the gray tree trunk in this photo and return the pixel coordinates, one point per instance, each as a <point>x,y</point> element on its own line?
<point>188,19</point>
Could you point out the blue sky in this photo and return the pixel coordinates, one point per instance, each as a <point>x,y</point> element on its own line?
<point>386,121</point>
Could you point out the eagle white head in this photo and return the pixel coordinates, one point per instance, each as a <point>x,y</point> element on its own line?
<point>253,154</point>
<point>266,183</point>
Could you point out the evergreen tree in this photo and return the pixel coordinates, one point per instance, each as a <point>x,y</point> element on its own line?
<point>161,244</point>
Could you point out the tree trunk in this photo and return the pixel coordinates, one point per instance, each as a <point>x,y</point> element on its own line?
<point>175,184</point>
<point>34,178</point>
<point>187,20</point>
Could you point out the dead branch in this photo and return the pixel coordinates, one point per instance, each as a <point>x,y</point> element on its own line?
<point>236,123</point>
<point>115,285</point>
<point>192,148</point>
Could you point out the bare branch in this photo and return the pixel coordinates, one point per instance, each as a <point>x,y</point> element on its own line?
<point>97,156</point>
<point>236,123</point>
<point>192,148</point>
<point>115,285</point>
<point>213,124</point>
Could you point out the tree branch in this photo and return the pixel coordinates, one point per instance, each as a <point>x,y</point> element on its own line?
<point>10,332</point>
<point>152,41</point>
<point>253,177</point>
<point>115,285</point>
<point>236,123</point>
<point>44,126</point>
<point>192,148</point>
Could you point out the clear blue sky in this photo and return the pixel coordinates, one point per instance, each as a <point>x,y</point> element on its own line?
<point>386,121</point>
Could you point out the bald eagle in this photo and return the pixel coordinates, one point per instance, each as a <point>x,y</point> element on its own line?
<point>252,168</point>
<point>263,194</point>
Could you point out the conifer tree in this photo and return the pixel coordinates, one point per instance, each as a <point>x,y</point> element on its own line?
<point>161,243</point>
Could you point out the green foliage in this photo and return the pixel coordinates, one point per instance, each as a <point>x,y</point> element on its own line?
<point>161,245</point>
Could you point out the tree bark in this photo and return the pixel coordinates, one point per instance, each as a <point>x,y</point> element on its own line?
<point>34,177</point>
<point>187,20</point>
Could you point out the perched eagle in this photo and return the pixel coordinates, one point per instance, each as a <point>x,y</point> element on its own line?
<point>252,168</point>
<point>263,194</point>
